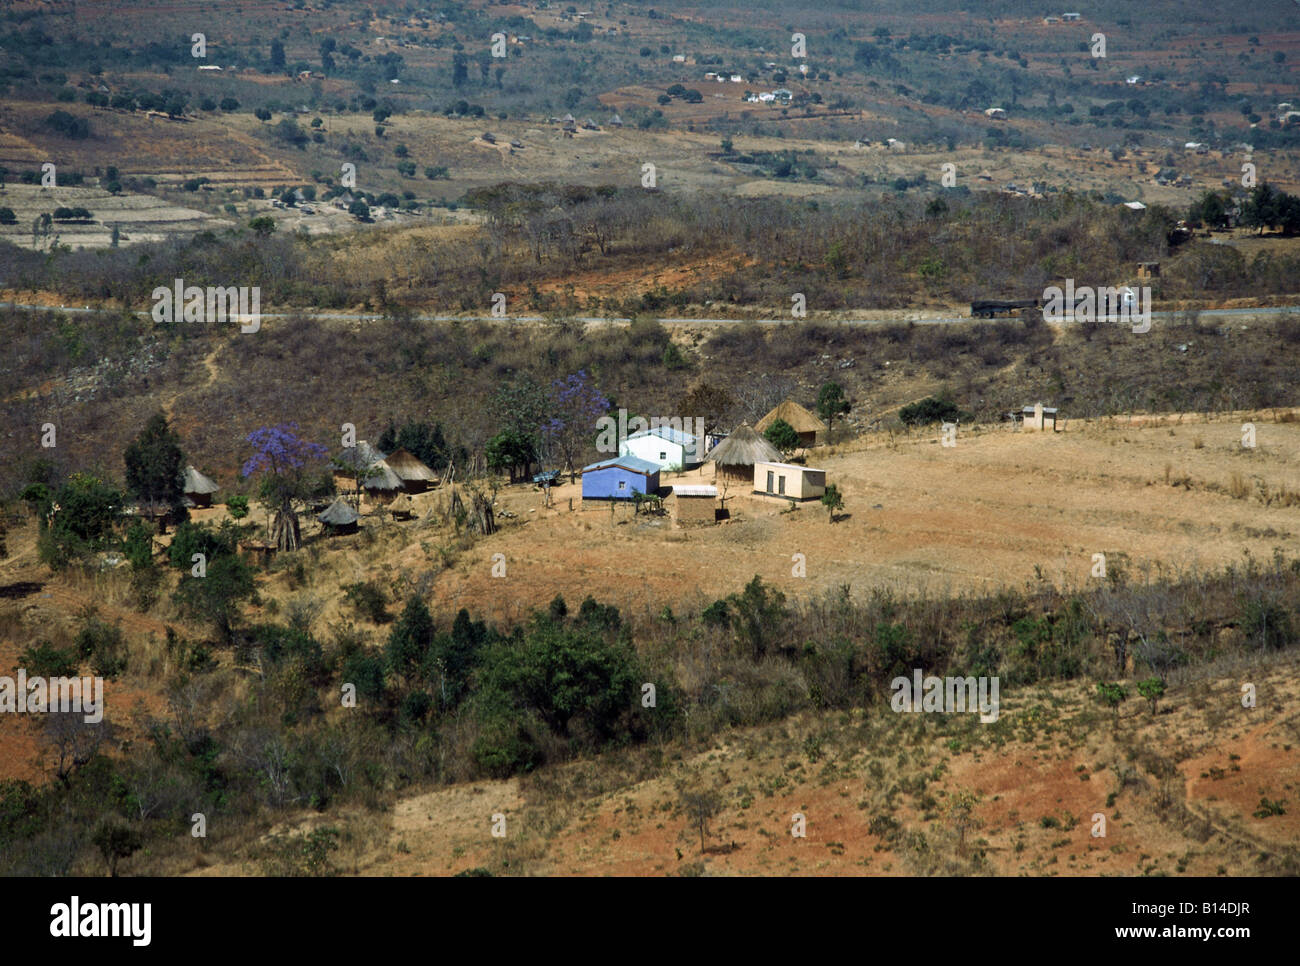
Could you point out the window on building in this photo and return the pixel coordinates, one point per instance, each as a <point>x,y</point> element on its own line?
<point>780,485</point>
<point>770,476</point>
<point>622,484</point>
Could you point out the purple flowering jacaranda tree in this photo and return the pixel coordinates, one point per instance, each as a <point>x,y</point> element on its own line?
<point>281,457</point>
<point>577,404</point>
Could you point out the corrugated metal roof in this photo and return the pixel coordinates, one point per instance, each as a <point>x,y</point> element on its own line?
<point>695,490</point>
<point>633,463</point>
<point>789,466</point>
<point>668,433</point>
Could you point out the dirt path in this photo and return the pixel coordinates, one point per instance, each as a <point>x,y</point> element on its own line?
<point>214,373</point>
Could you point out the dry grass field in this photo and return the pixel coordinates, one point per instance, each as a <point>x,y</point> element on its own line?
<point>882,794</point>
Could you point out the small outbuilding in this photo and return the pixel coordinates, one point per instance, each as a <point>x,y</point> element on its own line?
<point>1038,419</point>
<point>789,480</point>
<point>411,470</point>
<point>734,457</point>
<point>696,505</point>
<point>811,430</point>
<point>1148,270</point>
<point>619,478</point>
<point>198,489</point>
<point>339,518</point>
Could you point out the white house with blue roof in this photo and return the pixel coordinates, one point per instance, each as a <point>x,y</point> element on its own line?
<point>668,448</point>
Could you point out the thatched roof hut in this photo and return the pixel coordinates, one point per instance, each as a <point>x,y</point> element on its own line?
<point>810,429</point>
<point>198,488</point>
<point>339,517</point>
<point>381,483</point>
<point>736,455</point>
<point>361,456</point>
<point>411,470</point>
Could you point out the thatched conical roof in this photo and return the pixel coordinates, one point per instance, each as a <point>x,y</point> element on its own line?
<point>744,447</point>
<point>361,456</point>
<point>800,419</point>
<point>196,482</point>
<point>338,514</point>
<point>380,476</point>
<point>408,466</point>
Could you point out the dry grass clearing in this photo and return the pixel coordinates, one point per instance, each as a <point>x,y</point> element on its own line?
<point>881,794</point>
<point>998,509</point>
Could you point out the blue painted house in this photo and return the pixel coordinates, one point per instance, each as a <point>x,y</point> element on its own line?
<point>619,478</point>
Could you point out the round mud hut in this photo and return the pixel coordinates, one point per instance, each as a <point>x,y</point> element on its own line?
<point>734,458</point>
<point>381,484</point>
<point>339,518</point>
<point>198,488</point>
<point>416,477</point>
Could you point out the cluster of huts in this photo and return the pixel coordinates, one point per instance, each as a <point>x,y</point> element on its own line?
<point>743,457</point>
<point>382,479</point>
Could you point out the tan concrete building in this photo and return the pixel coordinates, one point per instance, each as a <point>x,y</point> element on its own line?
<point>1038,419</point>
<point>789,480</point>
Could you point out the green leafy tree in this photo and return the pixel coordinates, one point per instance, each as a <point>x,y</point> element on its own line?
<point>45,660</point>
<point>831,403</point>
<point>191,538</point>
<point>833,500</point>
<point>216,597</point>
<point>453,657</point>
<point>757,616</point>
<point>566,675</point>
<point>933,409</point>
<point>522,408</point>
<point>115,842</point>
<point>782,435</point>
<point>263,226</point>
<point>409,642</point>
<point>155,464</point>
<point>1112,695</point>
<point>103,645</point>
<point>1153,689</point>
<point>512,452</point>
<point>1211,209</point>
<point>423,440</point>
<point>366,673</point>
<point>81,519</point>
